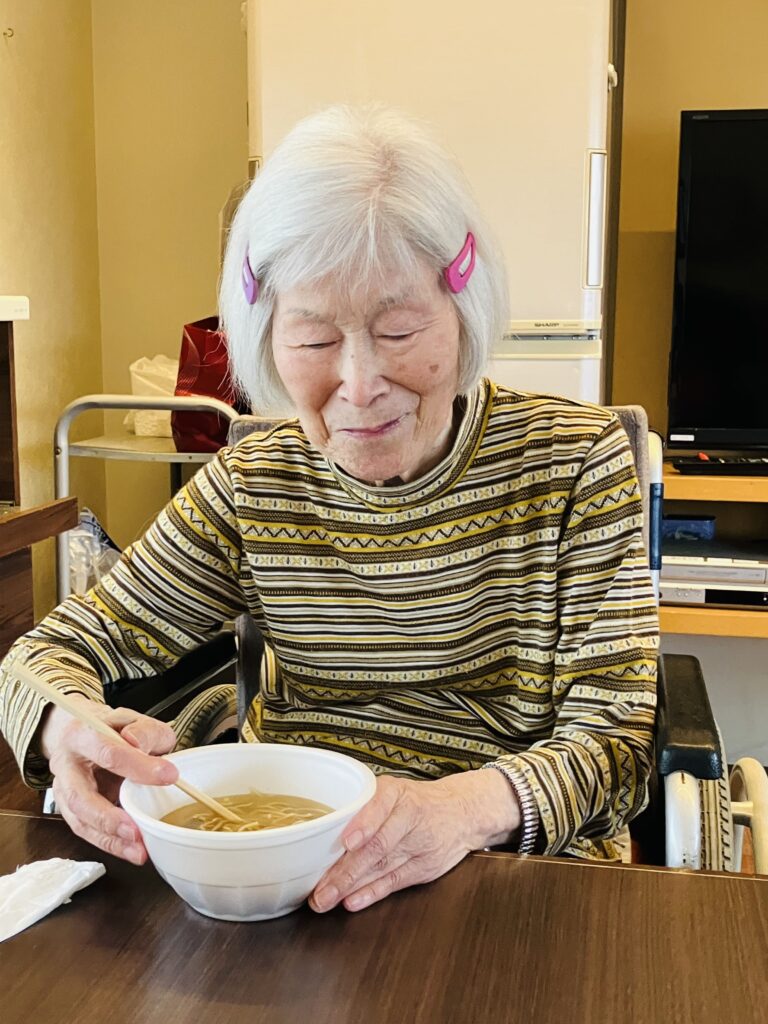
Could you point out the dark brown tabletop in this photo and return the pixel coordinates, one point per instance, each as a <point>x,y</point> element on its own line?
<point>499,939</point>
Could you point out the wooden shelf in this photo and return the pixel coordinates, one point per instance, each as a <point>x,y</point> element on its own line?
<point>25,526</point>
<point>19,529</point>
<point>709,621</point>
<point>692,487</point>
<point>713,621</point>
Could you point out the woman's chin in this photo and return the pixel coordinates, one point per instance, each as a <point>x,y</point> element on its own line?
<point>373,475</point>
<point>370,470</point>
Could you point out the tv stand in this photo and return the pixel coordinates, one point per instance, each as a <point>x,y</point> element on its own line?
<point>741,506</point>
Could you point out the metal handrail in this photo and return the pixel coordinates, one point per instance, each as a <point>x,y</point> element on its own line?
<point>61,448</point>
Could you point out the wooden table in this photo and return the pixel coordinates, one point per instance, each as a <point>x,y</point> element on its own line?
<point>499,940</point>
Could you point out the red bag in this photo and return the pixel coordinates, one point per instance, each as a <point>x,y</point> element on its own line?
<point>203,370</point>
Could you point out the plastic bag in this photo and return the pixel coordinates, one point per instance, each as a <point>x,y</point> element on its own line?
<point>153,378</point>
<point>92,553</point>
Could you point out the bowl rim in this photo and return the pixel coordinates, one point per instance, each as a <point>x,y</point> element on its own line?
<point>263,837</point>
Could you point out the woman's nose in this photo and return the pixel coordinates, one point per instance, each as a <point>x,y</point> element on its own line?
<point>361,380</point>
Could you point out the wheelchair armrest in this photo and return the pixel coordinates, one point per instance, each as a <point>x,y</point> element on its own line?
<point>162,696</point>
<point>250,650</point>
<point>686,735</point>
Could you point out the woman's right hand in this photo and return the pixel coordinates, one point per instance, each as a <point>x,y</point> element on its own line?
<point>88,770</point>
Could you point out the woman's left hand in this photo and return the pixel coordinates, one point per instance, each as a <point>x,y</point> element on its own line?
<point>413,832</point>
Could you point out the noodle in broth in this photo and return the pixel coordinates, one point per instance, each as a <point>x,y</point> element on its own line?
<point>258,811</point>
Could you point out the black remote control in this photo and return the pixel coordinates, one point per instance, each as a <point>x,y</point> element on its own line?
<point>728,465</point>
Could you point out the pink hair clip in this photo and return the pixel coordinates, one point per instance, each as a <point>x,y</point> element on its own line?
<point>459,271</point>
<point>250,284</point>
<point>456,274</point>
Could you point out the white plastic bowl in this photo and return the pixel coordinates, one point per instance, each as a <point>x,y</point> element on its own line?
<point>250,876</point>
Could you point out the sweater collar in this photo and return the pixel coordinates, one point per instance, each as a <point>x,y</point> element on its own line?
<point>441,477</point>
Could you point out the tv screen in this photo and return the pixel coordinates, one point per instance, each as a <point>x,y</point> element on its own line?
<point>718,369</point>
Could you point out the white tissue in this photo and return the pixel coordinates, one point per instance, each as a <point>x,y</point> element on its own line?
<point>36,889</point>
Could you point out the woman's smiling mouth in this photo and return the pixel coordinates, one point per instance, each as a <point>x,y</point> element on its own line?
<point>364,432</point>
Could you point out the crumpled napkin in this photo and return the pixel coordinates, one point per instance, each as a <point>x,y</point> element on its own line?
<point>34,890</point>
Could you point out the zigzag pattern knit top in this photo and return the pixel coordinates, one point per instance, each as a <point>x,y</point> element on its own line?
<point>499,607</point>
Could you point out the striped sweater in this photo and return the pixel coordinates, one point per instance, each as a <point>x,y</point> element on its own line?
<point>498,608</point>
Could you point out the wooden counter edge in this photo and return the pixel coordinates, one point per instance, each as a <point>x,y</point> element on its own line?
<point>22,528</point>
<point>702,487</point>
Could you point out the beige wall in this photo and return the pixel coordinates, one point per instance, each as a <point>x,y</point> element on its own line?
<point>150,99</point>
<point>171,141</point>
<point>48,243</point>
<point>679,56</point>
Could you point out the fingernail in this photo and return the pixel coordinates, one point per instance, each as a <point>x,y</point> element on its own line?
<point>326,898</point>
<point>134,853</point>
<point>128,735</point>
<point>165,773</point>
<point>127,832</point>
<point>353,840</point>
<point>357,902</point>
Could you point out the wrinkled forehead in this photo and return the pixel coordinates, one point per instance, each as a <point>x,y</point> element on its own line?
<point>326,299</point>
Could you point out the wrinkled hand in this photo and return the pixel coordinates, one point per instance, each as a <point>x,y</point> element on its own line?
<point>413,832</point>
<point>88,770</point>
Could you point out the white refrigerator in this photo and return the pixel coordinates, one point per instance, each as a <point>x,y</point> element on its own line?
<point>519,92</point>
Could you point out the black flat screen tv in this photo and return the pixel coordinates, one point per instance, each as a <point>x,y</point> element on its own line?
<point>718,367</point>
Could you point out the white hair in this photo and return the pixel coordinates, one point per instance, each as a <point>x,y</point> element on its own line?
<point>350,193</point>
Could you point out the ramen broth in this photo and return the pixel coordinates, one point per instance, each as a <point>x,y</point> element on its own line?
<point>258,811</point>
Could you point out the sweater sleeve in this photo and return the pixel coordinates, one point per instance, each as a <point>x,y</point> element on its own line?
<point>170,591</point>
<point>590,778</point>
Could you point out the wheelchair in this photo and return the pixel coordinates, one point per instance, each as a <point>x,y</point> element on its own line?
<point>696,815</point>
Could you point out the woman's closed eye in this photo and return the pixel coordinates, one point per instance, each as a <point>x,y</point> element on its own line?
<point>396,337</point>
<point>380,337</point>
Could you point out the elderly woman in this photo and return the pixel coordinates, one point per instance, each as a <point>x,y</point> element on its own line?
<point>449,574</point>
